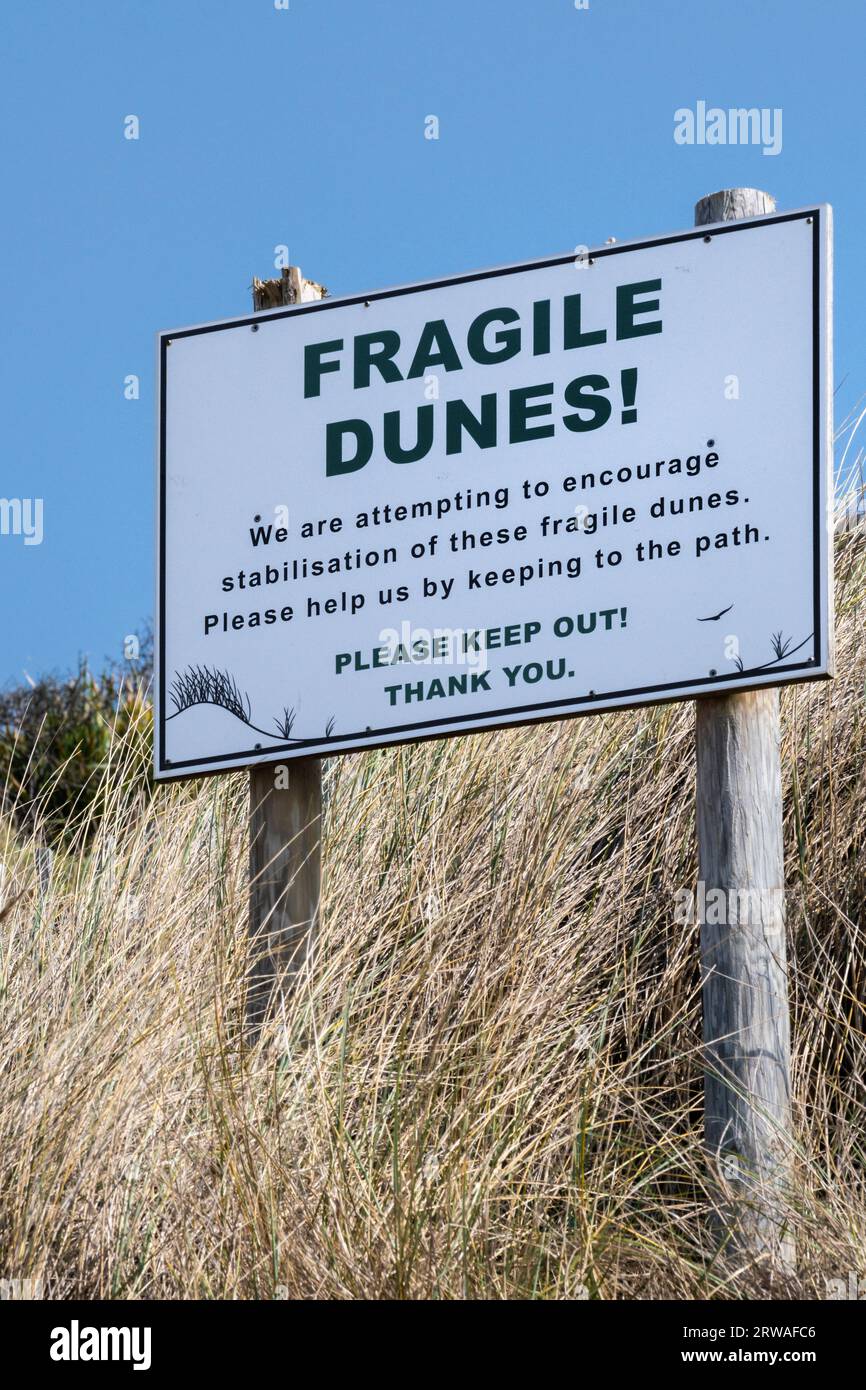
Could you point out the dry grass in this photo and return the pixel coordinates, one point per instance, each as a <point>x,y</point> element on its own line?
<point>488,1087</point>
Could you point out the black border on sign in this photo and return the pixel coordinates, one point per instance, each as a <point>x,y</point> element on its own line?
<point>582,704</point>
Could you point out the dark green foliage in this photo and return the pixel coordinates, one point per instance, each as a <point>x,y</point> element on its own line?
<point>56,733</point>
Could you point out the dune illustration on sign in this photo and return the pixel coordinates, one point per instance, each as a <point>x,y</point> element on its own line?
<point>203,685</point>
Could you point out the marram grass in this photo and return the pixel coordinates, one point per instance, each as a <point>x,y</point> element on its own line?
<point>489,1083</point>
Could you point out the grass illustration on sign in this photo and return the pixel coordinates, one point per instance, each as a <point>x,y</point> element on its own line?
<point>201,685</point>
<point>781,647</point>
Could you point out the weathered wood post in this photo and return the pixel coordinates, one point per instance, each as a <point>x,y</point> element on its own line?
<point>746,1027</point>
<point>285,815</point>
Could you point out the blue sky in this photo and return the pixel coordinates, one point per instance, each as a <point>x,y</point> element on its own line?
<point>305,127</point>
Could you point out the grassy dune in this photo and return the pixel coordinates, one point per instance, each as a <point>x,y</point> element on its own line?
<point>489,1084</point>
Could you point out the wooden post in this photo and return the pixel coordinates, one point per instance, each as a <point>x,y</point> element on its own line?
<point>285,816</point>
<point>746,1029</point>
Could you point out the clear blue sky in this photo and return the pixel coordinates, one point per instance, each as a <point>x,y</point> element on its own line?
<point>306,127</point>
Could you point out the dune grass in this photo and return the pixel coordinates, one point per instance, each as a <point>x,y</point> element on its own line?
<point>487,1086</point>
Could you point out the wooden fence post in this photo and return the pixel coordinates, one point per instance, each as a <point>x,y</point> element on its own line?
<point>285,816</point>
<point>746,1028</point>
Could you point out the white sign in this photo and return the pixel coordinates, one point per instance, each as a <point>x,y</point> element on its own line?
<point>543,490</point>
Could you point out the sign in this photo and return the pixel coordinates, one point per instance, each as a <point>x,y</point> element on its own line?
<point>548,489</point>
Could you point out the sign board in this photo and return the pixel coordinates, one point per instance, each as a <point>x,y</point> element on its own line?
<point>548,489</point>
